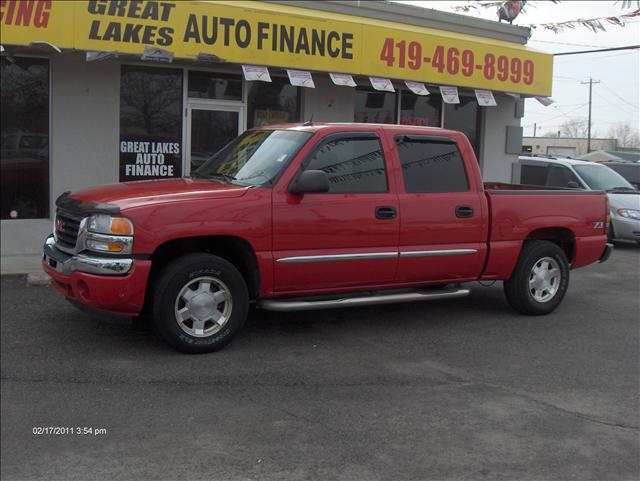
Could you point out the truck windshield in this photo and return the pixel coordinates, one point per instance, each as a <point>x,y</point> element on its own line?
<point>254,158</point>
<point>599,177</point>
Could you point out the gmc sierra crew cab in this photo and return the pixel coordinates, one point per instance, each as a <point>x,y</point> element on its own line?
<point>313,216</point>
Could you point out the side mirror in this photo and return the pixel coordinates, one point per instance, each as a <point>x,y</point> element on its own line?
<point>573,184</point>
<point>310,182</point>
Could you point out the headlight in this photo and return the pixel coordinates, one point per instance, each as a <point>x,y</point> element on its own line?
<point>629,213</point>
<point>109,234</point>
<point>106,224</point>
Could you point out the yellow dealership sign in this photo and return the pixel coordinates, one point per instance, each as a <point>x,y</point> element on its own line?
<point>280,36</point>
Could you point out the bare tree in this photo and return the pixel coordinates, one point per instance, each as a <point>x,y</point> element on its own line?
<point>576,129</point>
<point>626,135</point>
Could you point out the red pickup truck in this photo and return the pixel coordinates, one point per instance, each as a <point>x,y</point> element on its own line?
<point>315,216</point>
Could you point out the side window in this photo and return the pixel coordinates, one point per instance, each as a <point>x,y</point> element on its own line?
<point>533,174</point>
<point>560,176</point>
<point>353,165</point>
<point>431,166</point>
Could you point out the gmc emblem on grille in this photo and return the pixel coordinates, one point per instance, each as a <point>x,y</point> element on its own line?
<point>59,224</point>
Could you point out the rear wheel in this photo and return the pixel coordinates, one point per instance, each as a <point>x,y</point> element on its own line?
<point>540,279</point>
<point>199,303</point>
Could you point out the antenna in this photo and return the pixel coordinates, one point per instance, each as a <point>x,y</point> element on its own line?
<point>309,122</point>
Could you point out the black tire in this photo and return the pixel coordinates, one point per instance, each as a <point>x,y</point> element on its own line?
<point>518,289</point>
<point>198,270</point>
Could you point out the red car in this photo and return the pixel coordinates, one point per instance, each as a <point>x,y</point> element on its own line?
<point>309,216</point>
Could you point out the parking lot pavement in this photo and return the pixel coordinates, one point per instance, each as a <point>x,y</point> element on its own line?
<point>459,389</point>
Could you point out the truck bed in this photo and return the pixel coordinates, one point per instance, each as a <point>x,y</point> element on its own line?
<point>522,212</point>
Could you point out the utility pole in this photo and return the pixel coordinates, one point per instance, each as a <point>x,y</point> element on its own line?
<point>590,82</point>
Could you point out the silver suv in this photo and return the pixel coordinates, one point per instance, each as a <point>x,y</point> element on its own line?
<point>549,171</point>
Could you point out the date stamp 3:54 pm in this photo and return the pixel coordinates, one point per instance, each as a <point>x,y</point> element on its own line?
<point>68,431</point>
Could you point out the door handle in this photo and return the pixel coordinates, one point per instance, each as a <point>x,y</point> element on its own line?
<point>385,212</point>
<point>464,211</point>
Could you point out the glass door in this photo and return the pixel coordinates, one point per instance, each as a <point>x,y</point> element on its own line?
<point>210,127</point>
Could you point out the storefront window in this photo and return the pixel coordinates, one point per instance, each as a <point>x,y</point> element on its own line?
<point>375,107</point>
<point>420,110</point>
<point>271,103</point>
<point>465,117</point>
<point>218,86</point>
<point>150,123</point>
<point>24,138</point>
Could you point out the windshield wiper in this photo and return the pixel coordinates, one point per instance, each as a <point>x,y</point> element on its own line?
<point>622,189</point>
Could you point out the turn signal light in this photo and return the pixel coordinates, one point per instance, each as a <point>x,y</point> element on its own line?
<point>120,226</point>
<point>115,247</point>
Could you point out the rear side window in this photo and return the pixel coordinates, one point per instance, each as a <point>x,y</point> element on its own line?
<point>533,174</point>
<point>353,165</point>
<point>429,165</point>
<point>560,176</point>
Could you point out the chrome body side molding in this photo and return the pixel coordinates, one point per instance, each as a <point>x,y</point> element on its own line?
<point>338,257</point>
<point>375,255</point>
<point>437,253</point>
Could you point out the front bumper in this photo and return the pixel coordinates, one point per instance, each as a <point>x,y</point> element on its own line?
<point>116,286</point>
<point>626,229</point>
<point>66,264</point>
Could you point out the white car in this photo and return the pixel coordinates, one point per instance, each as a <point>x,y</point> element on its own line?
<point>550,171</point>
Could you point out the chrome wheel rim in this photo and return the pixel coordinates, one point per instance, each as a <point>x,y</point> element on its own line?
<point>203,306</point>
<point>544,279</point>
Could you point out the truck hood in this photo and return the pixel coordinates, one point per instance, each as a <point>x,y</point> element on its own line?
<point>147,192</point>
<point>630,200</point>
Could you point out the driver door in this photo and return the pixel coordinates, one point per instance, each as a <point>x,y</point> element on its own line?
<point>347,237</point>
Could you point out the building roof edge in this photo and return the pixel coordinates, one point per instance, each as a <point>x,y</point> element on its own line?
<point>419,16</point>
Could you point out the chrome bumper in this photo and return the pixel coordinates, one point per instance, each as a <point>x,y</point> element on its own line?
<point>66,264</point>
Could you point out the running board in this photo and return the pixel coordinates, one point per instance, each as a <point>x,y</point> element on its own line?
<point>301,305</point>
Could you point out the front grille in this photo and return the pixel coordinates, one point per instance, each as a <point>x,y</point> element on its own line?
<point>67,227</point>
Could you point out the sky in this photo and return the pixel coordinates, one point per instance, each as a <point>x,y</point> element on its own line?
<point>615,98</point>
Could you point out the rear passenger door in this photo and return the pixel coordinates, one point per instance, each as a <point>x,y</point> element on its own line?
<point>343,238</point>
<point>443,219</point>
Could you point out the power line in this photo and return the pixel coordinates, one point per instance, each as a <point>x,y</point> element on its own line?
<point>625,101</point>
<point>620,103</point>
<point>566,43</point>
<point>563,114</point>
<point>611,49</point>
<point>619,106</point>
<point>597,58</point>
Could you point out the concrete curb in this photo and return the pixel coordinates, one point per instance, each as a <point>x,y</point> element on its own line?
<point>38,279</point>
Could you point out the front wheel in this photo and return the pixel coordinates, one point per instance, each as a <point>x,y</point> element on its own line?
<point>199,303</point>
<point>540,279</point>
